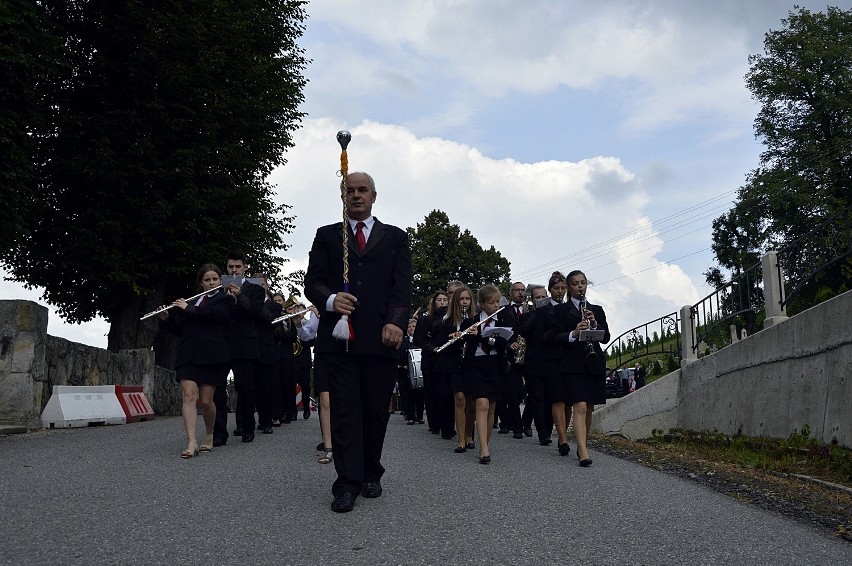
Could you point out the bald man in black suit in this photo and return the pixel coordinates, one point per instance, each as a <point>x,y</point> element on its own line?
<point>361,374</point>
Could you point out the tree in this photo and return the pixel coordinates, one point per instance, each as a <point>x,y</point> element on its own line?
<point>169,118</point>
<point>441,252</point>
<point>804,85</point>
<point>27,50</point>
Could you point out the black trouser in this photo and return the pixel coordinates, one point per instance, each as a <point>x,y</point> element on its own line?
<point>443,402</point>
<point>359,389</point>
<point>244,383</point>
<point>288,392</point>
<point>303,379</point>
<point>416,403</point>
<point>537,408</point>
<point>509,405</point>
<point>264,378</point>
<point>404,385</point>
<point>281,368</point>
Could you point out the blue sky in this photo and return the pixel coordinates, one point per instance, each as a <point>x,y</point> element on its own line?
<point>602,136</point>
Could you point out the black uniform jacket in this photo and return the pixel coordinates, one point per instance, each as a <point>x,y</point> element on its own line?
<point>380,279</point>
<point>202,331</point>
<point>265,337</point>
<point>472,342</point>
<point>242,332</point>
<point>574,354</point>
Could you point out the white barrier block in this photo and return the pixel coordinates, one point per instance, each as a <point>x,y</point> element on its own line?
<point>83,405</point>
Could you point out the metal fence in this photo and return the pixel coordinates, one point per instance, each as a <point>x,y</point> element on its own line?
<point>742,296</point>
<point>639,342</point>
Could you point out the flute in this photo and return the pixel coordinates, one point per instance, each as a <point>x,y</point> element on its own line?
<point>288,316</point>
<point>167,307</point>
<point>468,330</point>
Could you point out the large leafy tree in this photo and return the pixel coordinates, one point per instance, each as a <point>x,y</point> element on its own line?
<point>442,252</point>
<point>169,116</point>
<point>804,85</point>
<point>27,54</point>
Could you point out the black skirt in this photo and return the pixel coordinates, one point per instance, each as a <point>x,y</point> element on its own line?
<point>203,374</point>
<point>585,387</point>
<point>320,377</point>
<point>482,377</point>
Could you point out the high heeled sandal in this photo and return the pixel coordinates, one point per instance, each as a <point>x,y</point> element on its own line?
<point>326,458</point>
<point>189,452</point>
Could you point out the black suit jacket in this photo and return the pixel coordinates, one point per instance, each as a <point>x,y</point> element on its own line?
<point>265,337</point>
<point>202,331</point>
<point>242,332</point>
<point>380,279</point>
<point>472,342</point>
<point>574,358</point>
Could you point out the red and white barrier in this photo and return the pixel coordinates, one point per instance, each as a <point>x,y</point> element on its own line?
<point>132,400</point>
<point>93,405</point>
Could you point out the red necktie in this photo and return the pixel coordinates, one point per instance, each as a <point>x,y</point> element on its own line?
<point>203,300</point>
<point>518,312</point>
<point>359,237</point>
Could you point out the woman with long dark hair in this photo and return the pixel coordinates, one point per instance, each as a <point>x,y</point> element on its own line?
<point>202,362</point>
<point>582,364</point>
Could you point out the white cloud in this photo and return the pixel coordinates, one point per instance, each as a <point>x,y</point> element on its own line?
<point>532,213</point>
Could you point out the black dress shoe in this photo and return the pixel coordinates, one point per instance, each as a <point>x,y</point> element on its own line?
<point>343,503</point>
<point>518,435</point>
<point>460,449</point>
<point>219,441</point>
<point>564,449</point>
<point>485,459</point>
<point>371,489</point>
<point>286,420</point>
<point>545,441</point>
<point>503,430</point>
<point>470,445</point>
<point>238,432</point>
<point>248,437</point>
<point>586,462</point>
<point>266,430</point>
<point>306,415</point>
<point>420,421</point>
<point>528,432</point>
<point>411,422</point>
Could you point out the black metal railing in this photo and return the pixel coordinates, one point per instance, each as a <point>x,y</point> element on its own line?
<point>741,297</point>
<point>640,341</point>
<point>806,258</point>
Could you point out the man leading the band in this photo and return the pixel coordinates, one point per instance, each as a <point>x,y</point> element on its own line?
<point>361,372</point>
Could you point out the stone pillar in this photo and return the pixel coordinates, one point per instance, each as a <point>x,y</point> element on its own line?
<point>773,285</point>
<point>23,369</point>
<point>687,336</point>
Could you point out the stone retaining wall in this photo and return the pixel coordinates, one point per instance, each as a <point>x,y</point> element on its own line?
<point>34,362</point>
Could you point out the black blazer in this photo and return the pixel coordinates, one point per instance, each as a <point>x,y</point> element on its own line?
<point>380,279</point>
<point>472,342</point>
<point>574,359</point>
<point>242,333</point>
<point>202,331</point>
<point>265,337</point>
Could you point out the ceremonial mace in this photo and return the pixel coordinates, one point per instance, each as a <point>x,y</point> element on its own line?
<point>343,329</point>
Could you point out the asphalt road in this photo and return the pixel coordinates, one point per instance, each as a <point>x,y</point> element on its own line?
<point>122,495</point>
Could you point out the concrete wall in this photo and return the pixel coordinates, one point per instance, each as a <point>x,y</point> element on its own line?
<point>796,372</point>
<point>35,362</point>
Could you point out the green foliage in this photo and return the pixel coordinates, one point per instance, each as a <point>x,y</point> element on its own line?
<point>168,119</point>
<point>442,252</point>
<point>799,453</point>
<point>27,57</point>
<point>803,83</point>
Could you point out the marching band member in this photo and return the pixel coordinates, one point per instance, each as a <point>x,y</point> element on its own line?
<point>538,403</point>
<point>202,362</point>
<point>460,310</point>
<point>423,340</point>
<point>484,364</point>
<point>265,367</point>
<point>582,363</point>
